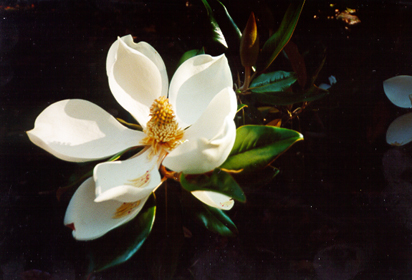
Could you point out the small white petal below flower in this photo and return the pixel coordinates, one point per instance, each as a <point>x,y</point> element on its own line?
<point>91,220</point>
<point>214,199</point>
<point>399,131</point>
<point>135,81</point>
<point>399,90</point>
<point>127,181</point>
<point>209,140</point>
<point>78,130</point>
<point>195,83</point>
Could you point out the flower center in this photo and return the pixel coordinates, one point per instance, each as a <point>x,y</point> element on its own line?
<point>162,130</point>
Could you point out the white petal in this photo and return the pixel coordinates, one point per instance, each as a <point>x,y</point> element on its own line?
<point>127,181</point>
<point>209,141</point>
<point>135,81</point>
<point>91,220</point>
<point>399,90</point>
<point>78,130</point>
<point>399,132</point>
<point>143,48</point>
<point>214,199</point>
<point>195,83</point>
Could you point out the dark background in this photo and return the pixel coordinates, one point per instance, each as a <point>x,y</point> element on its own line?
<point>341,207</point>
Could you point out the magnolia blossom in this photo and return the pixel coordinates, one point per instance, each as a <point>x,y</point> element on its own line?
<point>187,127</point>
<point>398,89</point>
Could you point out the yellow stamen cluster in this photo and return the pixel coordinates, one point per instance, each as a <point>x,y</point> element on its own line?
<point>162,130</point>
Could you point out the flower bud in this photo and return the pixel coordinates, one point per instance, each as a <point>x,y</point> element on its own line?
<point>249,45</point>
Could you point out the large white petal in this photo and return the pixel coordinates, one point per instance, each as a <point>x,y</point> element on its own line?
<point>399,131</point>
<point>209,140</point>
<point>135,81</point>
<point>90,220</point>
<point>127,181</point>
<point>214,199</point>
<point>399,90</point>
<point>78,130</point>
<point>143,48</point>
<point>195,83</point>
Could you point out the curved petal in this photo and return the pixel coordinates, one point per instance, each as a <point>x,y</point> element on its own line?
<point>195,83</point>
<point>90,220</point>
<point>209,141</point>
<point>135,81</point>
<point>214,199</point>
<point>399,90</point>
<point>144,48</point>
<point>127,181</point>
<point>78,130</point>
<point>399,131</point>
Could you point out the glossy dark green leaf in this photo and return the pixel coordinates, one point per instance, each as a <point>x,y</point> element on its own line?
<point>281,37</point>
<point>273,82</point>
<point>122,243</point>
<point>211,218</point>
<point>217,181</point>
<point>217,34</point>
<point>229,28</point>
<point>190,54</point>
<point>256,146</point>
<point>286,98</point>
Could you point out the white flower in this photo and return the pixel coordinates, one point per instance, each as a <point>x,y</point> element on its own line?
<point>398,89</point>
<point>188,128</point>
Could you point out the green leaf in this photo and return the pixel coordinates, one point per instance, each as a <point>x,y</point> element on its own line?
<point>217,181</point>
<point>273,82</point>
<point>229,28</point>
<point>286,98</point>
<point>190,54</point>
<point>211,218</point>
<point>217,34</point>
<point>256,146</point>
<point>281,37</point>
<point>122,243</point>
<point>241,107</point>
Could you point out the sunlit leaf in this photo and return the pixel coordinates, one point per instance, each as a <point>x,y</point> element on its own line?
<point>286,98</point>
<point>211,218</point>
<point>217,33</point>
<point>273,82</point>
<point>122,243</point>
<point>217,181</point>
<point>277,41</point>
<point>256,146</point>
<point>240,107</point>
